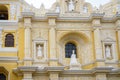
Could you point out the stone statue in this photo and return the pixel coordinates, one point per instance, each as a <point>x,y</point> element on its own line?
<point>73,59</point>
<point>57,9</point>
<point>39,51</point>
<point>71,5</point>
<point>74,65</point>
<point>85,9</point>
<point>107,52</point>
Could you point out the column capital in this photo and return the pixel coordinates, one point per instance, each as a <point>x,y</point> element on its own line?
<point>117,23</point>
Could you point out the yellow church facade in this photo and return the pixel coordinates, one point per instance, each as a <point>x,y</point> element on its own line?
<point>70,41</point>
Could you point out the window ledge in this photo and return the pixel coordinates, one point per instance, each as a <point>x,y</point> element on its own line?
<point>10,50</point>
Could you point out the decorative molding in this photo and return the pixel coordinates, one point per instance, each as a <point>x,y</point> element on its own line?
<point>53,59</point>
<point>28,14</point>
<point>56,69</point>
<point>8,23</point>
<point>79,18</point>
<point>60,69</point>
<point>8,59</point>
<point>52,15</point>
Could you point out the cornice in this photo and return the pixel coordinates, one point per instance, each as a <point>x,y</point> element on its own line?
<point>55,69</point>
<point>57,16</point>
<point>8,23</point>
<point>60,70</point>
<point>52,15</point>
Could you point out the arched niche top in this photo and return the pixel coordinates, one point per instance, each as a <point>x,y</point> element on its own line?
<point>80,35</point>
<point>3,70</point>
<point>71,41</point>
<point>108,39</point>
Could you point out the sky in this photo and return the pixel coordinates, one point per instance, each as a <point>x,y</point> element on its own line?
<point>48,3</point>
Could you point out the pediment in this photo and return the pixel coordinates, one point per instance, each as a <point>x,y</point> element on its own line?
<point>39,39</point>
<point>108,39</point>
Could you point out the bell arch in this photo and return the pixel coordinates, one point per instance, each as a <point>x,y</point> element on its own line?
<point>3,12</point>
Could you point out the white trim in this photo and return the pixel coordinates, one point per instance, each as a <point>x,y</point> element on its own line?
<point>9,59</point>
<point>8,23</point>
<point>9,50</point>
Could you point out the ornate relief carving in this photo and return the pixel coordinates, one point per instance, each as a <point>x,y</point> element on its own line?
<point>40,33</point>
<point>13,8</point>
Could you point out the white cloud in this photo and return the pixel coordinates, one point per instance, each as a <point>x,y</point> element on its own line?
<point>97,2</point>
<point>48,3</point>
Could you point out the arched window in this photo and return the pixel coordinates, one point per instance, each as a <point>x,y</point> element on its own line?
<point>69,47</point>
<point>2,76</point>
<point>3,12</point>
<point>9,40</point>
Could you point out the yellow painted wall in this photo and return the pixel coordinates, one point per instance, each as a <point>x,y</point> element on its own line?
<point>21,43</point>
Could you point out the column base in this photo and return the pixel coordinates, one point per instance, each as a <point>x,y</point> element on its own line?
<point>53,62</point>
<point>100,63</point>
<point>28,62</point>
<point>75,67</point>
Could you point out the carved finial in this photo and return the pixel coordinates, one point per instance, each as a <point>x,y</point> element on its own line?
<point>42,7</point>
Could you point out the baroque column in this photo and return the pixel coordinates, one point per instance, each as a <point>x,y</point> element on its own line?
<point>118,36</point>
<point>53,61</point>
<point>27,69</point>
<point>27,25</point>
<point>97,43</point>
<point>100,65</point>
<point>52,42</point>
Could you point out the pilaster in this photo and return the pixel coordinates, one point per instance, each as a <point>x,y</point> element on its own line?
<point>1,29</point>
<point>101,72</point>
<point>54,72</point>
<point>27,76</point>
<point>27,16</point>
<point>53,76</point>
<point>98,48</point>
<point>118,34</point>
<point>96,23</point>
<point>27,72</point>
<point>101,76</point>
<point>52,38</point>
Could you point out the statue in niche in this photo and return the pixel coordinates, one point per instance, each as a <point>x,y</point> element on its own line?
<point>57,9</point>
<point>73,59</point>
<point>108,52</point>
<point>71,5</point>
<point>85,9</point>
<point>39,51</point>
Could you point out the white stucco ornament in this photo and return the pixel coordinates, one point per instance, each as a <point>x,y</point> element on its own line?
<point>74,65</point>
<point>57,9</point>
<point>39,51</point>
<point>108,52</point>
<point>71,5</point>
<point>73,59</point>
